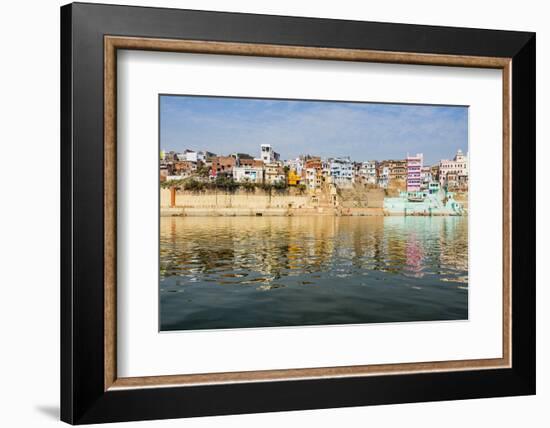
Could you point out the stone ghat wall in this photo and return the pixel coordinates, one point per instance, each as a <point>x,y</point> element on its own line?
<point>240,199</point>
<point>355,199</point>
<point>360,197</point>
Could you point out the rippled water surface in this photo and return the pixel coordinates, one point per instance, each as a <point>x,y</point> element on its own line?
<point>237,272</point>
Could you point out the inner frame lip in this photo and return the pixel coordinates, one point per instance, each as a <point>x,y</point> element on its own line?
<point>113,43</point>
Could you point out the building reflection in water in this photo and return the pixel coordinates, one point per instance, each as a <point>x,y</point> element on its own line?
<point>238,272</point>
<point>263,249</point>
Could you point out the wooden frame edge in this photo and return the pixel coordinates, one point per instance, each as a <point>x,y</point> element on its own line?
<point>300,374</point>
<point>301,52</point>
<point>507,213</point>
<point>112,43</point>
<point>109,197</point>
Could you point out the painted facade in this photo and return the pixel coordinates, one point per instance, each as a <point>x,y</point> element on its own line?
<point>248,174</point>
<point>267,154</point>
<point>454,173</point>
<point>414,172</point>
<point>341,172</point>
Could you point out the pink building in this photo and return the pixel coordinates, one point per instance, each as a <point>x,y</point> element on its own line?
<point>414,172</point>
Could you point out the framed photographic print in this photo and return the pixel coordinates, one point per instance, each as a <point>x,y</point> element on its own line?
<point>266,213</point>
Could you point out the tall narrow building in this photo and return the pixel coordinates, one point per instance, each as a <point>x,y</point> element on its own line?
<point>414,172</point>
<point>267,154</point>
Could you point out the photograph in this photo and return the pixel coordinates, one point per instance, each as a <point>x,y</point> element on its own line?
<point>294,212</point>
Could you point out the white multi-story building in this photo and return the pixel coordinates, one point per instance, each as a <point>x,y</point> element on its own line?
<point>341,172</point>
<point>191,156</point>
<point>248,173</point>
<point>453,173</point>
<point>313,178</point>
<point>267,154</point>
<point>367,172</point>
<point>274,173</point>
<point>296,165</point>
<point>425,177</point>
<point>384,177</point>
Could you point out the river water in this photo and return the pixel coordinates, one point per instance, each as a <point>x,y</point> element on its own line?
<point>239,272</point>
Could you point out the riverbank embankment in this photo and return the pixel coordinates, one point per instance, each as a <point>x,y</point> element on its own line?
<point>288,203</point>
<point>268,212</point>
<point>368,202</point>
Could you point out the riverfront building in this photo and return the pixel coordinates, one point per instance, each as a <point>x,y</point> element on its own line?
<point>317,174</point>
<point>256,163</point>
<point>184,168</point>
<point>222,166</point>
<point>296,165</point>
<point>414,172</point>
<point>454,173</point>
<point>313,171</point>
<point>249,174</point>
<point>392,173</point>
<point>314,178</point>
<point>191,156</point>
<point>274,173</point>
<point>294,179</point>
<point>368,172</point>
<point>267,154</point>
<point>398,172</point>
<point>341,172</point>
<point>383,176</point>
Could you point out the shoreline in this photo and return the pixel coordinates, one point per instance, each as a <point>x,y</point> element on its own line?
<point>287,212</point>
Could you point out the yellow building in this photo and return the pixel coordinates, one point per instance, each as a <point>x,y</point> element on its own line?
<point>293,178</point>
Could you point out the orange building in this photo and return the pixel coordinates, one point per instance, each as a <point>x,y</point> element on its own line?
<point>313,163</point>
<point>222,165</point>
<point>254,163</point>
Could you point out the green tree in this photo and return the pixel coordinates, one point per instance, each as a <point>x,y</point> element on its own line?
<point>248,186</point>
<point>226,183</point>
<point>203,171</point>
<point>172,183</point>
<point>280,186</point>
<point>193,185</point>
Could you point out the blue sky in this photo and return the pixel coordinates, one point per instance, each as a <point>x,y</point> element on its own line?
<point>363,131</point>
